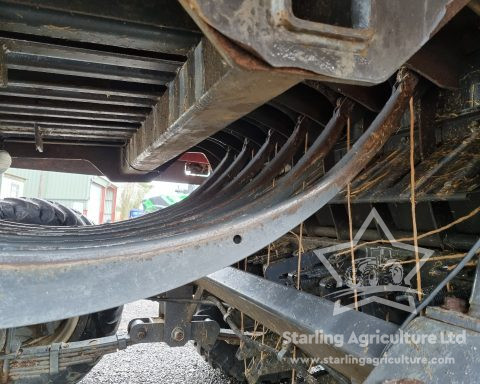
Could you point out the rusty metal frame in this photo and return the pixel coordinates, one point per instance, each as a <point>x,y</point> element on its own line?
<point>31,363</point>
<point>264,301</point>
<point>382,36</point>
<point>51,273</point>
<point>217,83</point>
<point>207,94</point>
<point>91,160</point>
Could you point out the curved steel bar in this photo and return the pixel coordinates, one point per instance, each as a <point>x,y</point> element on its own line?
<point>253,167</point>
<point>237,165</point>
<point>190,206</point>
<point>318,150</point>
<point>193,208</point>
<point>128,227</point>
<point>216,173</point>
<point>214,209</point>
<point>82,279</point>
<point>182,205</point>
<point>209,199</point>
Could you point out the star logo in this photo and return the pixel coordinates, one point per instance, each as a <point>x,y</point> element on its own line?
<point>367,283</point>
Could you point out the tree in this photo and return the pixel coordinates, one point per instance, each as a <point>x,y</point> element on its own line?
<point>131,197</point>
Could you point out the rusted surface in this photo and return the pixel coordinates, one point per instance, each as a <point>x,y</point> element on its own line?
<point>437,63</point>
<point>199,103</point>
<point>360,53</point>
<point>91,160</point>
<point>238,56</point>
<point>451,9</point>
<point>264,301</point>
<point>192,244</point>
<point>463,368</point>
<point>448,170</point>
<point>474,5</point>
<point>455,304</point>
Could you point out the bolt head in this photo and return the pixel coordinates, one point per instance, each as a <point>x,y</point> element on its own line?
<point>141,335</point>
<point>178,334</point>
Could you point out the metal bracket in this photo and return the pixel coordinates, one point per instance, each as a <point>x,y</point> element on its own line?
<point>469,320</point>
<point>54,352</point>
<point>51,359</point>
<point>177,329</point>
<point>359,52</point>
<point>153,330</point>
<point>265,301</point>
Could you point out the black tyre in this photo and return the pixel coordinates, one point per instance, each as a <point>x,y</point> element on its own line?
<point>100,324</point>
<point>222,355</point>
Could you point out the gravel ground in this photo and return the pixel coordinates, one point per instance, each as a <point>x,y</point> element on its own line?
<point>152,363</point>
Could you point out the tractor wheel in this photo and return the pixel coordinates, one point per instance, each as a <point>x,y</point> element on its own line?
<point>94,325</point>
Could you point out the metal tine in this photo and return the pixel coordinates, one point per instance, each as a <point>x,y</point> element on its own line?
<point>134,265</point>
<point>254,166</point>
<point>196,194</point>
<point>237,165</point>
<point>217,172</point>
<point>318,150</point>
<point>291,180</point>
<point>186,206</point>
<point>213,199</point>
<point>183,205</point>
<point>209,191</point>
<point>285,154</point>
<point>289,183</point>
<point>263,179</point>
<point>225,173</point>
<point>274,166</point>
<point>262,182</point>
<point>237,199</point>
<point>286,185</point>
<point>243,176</point>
